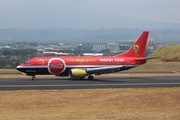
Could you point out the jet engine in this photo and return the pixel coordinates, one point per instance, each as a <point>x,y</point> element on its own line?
<point>77,73</point>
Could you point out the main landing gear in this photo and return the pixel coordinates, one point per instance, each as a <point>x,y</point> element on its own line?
<point>90,77</point>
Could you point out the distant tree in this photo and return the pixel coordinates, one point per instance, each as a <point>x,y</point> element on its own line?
<point>8,52</point>
<point>106,52</point>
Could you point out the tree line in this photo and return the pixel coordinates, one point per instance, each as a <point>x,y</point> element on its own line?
<point>10,58</point>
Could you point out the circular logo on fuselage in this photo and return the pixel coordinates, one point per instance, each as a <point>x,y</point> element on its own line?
<point>56,66</point>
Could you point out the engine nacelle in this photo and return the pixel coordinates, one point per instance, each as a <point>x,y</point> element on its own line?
<point>77,73</point>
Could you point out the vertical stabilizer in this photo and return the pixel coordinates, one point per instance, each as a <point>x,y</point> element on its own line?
<point>138,48</point>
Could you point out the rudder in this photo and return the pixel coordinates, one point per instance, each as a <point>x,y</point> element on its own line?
<point>138,48</point>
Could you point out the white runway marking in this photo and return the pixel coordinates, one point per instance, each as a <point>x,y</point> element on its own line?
<point>82,85</point>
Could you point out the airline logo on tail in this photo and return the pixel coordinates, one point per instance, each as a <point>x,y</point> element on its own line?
<point>136,49</point>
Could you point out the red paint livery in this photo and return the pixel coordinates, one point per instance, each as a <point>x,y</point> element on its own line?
<point>81,66</point>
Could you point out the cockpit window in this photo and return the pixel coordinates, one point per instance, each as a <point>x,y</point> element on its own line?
<point>27,63</point>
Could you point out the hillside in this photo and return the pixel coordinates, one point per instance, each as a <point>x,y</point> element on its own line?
<point>168,52</point>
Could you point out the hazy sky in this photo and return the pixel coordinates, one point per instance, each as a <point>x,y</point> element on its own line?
<point>85,14</point>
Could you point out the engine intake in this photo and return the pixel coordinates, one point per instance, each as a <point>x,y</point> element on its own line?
<point>77,73</point>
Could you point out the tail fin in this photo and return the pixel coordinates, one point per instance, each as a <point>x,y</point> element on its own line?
<point>138,48</point>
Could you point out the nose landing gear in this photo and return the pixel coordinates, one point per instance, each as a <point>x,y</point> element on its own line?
<point>33,77</point>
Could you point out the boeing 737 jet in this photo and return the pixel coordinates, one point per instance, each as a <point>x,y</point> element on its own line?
<point>82,66</point>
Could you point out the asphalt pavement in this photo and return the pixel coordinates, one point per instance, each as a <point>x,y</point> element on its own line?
<point>99,82</point>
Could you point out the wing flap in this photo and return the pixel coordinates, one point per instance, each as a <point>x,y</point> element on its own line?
<point>104,70</point>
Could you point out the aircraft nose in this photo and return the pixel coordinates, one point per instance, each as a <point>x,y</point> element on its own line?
<point>19,68</point>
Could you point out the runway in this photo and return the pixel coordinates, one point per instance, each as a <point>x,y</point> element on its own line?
<point>99,82</point>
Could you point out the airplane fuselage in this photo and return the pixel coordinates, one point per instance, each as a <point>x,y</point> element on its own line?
<point>60,65</point>
<point>81,66</point>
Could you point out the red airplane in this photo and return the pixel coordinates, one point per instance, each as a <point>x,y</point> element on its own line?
<point>82,66</point>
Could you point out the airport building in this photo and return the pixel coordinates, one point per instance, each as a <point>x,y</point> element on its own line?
<point>99,46</point>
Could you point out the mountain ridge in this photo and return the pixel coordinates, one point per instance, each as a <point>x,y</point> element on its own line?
<point>64,35</point>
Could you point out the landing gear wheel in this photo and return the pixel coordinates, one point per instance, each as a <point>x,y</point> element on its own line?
<point>33,78</point>
<point>90,77</point>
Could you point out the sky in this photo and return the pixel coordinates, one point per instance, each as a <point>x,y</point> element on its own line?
<point>87,14</point>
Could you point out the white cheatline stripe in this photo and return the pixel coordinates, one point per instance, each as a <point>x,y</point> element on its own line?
<point>31,66</point>
<point>78,66</point>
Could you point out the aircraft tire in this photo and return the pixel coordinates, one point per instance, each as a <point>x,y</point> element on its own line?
<point>33,78</point>
<point>90,77</point>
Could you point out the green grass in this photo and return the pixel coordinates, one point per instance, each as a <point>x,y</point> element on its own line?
<point>168,52</point>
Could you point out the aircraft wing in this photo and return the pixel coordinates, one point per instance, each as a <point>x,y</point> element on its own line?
<point>107,69</point>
